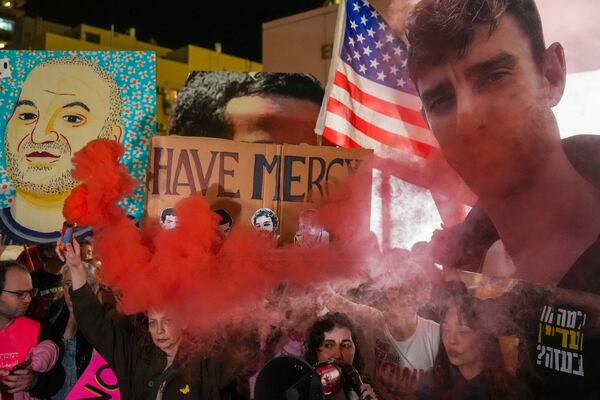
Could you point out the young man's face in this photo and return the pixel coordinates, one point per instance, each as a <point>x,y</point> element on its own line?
<point>273,119</point>
<point>490,110</point>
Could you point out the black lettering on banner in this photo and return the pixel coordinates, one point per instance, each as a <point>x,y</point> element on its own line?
<point>288,178</point>
<point>101,392</point>
<point>352,168</point>
<point>317,181</point>
<point>333,162</point>
<point>260,165</point>
<point>228,172</point>
<point>157,168</point>
<point>183,162</point>
<point>204,178</point>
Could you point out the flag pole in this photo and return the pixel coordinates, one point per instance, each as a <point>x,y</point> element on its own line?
<point>340,27</point>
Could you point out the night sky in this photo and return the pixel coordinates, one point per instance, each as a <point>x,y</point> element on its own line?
<point>237,24</point>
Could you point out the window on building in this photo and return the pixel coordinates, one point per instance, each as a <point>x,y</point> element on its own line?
<point>6,25</point>
<point>92,37</point>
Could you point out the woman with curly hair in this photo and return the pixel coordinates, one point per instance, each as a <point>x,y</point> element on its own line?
<point>333,338</point>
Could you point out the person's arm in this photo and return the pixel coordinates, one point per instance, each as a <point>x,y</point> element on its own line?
<point>37,384</point>
<point>92,319</point>
<point>51,380</point>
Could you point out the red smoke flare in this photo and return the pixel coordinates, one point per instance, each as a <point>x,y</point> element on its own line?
<point>189,269</point>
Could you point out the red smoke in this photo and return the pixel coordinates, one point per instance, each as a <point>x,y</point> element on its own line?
<point>189,269</point>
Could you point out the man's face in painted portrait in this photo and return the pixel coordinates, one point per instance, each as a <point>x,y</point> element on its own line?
<point>60,109</point>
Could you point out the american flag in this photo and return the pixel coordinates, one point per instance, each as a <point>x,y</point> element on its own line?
<point>371,102</point>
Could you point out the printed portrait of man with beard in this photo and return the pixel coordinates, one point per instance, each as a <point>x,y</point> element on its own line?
<point>64,104</point>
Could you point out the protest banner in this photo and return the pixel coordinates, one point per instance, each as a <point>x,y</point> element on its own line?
<point>242,178</point>
<point>98,381</point>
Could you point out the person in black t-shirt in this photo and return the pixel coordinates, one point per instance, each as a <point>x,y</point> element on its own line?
<point>488,84</point>
<point>48,281</point>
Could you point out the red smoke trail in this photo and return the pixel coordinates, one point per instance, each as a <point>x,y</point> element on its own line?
<point>189,269</point>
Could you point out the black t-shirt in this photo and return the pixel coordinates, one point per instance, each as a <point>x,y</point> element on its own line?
<point>567,345</point>
<point>560,350</point>
<point>49,286</point>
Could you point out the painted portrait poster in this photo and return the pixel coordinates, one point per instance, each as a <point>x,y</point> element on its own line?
<point>52,103</point>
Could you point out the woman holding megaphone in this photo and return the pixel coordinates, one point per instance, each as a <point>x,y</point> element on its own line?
<point>332,346</point>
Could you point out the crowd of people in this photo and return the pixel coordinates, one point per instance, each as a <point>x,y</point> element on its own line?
<point>417,334</point>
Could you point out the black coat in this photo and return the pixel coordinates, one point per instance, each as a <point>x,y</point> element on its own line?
<point>138,366</point>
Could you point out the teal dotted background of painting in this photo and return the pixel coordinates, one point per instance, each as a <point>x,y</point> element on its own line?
<point>134,73</point>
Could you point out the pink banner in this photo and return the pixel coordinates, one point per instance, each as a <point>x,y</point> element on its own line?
<point>97,382</point>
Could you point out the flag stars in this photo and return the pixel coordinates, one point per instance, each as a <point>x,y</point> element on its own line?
<point>362,69</point>
<point>397,50</point>
<point>367,51</point>
<point>381,26</point>
<point>363,20</point>
<point>374,13</point>
<point>374,63</point>
<point>351,41</point>
<point>393,70</point>
<point>400,82</point>
<point>389,38</point>
<point>404,63</point>
<point>357,55</point>
<point>371,32</point>
<point>353,25</point>
<point>365,3</point>
<point>381,76</point>
<point>356,7</point>
<point>378,44</point>
<point>386,57</point>
<point>360,38</point>
<point>348,57</point>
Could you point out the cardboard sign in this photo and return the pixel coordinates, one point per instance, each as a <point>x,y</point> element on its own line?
<point>98,381</point>
<point>52,103</point>
<point>242,178</point>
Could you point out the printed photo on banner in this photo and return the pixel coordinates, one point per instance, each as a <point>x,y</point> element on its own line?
<point>53,103</point>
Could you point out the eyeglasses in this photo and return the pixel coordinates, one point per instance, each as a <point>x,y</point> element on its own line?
<point>21,294</point>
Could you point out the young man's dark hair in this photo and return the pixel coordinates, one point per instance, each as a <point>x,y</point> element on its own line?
<point>5,266</point>
<point>201,103</point>
<point>439,29</point>
<point>298,86</point>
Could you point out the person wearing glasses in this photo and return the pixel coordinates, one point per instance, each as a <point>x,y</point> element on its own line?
<point>24,352</point>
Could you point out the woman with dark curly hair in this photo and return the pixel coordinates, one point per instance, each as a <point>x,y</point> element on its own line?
<point>333,338</point>
<point>470,363</point>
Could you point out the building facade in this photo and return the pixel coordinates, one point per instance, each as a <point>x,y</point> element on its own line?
<point>172,66</point>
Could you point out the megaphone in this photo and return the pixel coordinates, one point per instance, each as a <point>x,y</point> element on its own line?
<point>290,378</point>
